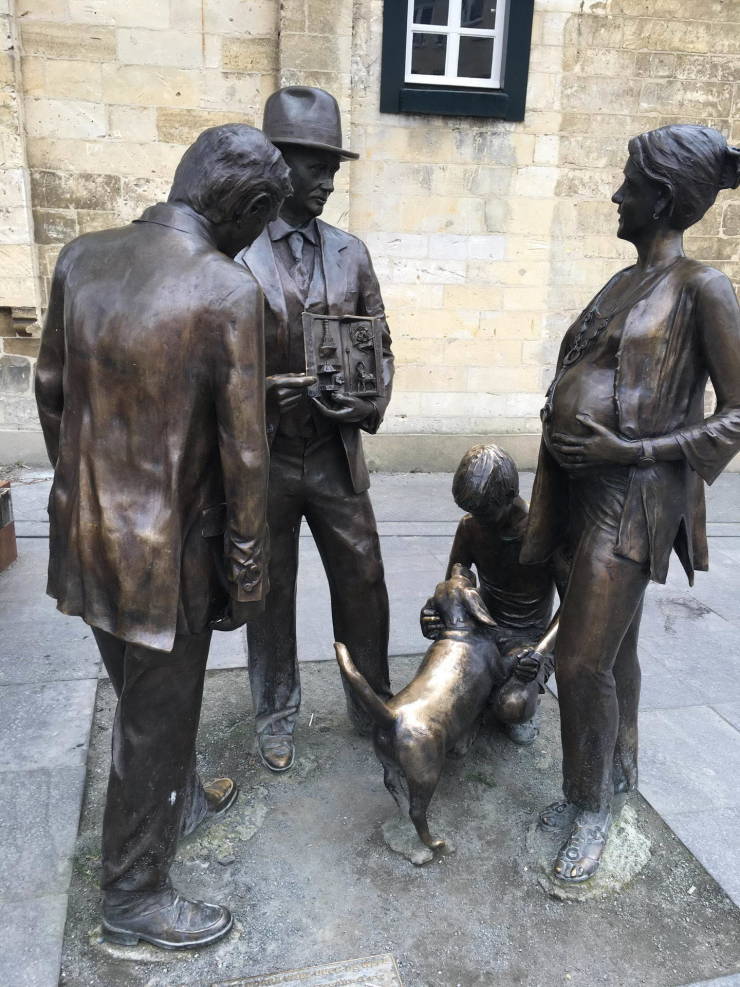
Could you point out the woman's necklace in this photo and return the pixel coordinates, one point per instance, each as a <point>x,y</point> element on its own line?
<point>593,324</point>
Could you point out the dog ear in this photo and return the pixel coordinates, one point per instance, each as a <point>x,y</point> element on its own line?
<point>476,608</point>
<point>459,570</point>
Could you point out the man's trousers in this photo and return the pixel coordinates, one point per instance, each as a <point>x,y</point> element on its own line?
<point>313,481</point>
<point>152,786</point>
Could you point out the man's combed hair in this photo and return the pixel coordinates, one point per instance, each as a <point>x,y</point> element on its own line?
<point>486,477</point>
<point>225,168</point>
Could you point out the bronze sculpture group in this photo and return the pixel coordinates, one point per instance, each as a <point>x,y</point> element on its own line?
<point>182,423</point>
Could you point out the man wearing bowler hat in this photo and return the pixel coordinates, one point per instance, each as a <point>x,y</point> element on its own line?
<point>318,469</point>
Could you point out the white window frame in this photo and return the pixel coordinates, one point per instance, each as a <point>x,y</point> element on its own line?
<point>453,35</point>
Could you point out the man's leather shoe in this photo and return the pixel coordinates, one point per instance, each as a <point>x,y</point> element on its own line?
<point>166,920</point>
<point>276,751</point>
<point>221,793</point>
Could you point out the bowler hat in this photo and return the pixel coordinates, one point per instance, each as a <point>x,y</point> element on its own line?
<point>305,116</point>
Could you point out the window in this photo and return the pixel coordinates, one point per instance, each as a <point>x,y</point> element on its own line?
<point>455,41</point>
<point>462,57</point>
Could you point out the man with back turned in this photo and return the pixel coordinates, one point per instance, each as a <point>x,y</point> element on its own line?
<point>150,386</point>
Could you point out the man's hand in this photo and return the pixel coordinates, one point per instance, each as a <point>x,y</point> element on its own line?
<point>602,446</point>
<point>236,614</point>
<point>431,625</point>
<point>287,389</point>
<point>349,409</point>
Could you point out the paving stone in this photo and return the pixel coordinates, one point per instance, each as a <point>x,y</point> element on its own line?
<point>30,493</point>
<point>228,650</point>
<point>689,760</point>
<point>732,981</point>
<point>695,643</point>
<point>45,725</point>
<point>714,839</point>
<point>62,648</point>
<point>39,814</point>
<point>32,941</point>
<point>723,503</point>
<point>729,712</point>
<point>662,687</point>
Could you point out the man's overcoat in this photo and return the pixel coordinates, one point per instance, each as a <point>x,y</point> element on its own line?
<point>150,386</point>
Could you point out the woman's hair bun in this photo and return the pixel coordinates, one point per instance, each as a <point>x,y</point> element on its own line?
<point>730,177</point>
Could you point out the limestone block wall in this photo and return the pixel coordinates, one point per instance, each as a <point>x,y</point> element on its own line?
<point>114,90</point>
<point>487,236</point>
<point>17,256</point>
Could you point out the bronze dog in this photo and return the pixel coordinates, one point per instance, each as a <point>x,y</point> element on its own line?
<point>441,708</point>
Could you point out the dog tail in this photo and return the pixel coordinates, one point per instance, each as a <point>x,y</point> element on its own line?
<point>374,705</point>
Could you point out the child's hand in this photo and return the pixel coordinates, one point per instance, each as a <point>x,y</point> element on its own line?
<point>431,625</point>
<point>528,665</point>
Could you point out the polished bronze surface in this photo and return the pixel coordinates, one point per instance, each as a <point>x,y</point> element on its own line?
<point>150,387</point>
<point>626,448</point>
<point>165,919</point>
<point>305,117</point>
<point>518,597</point>
<point>440,709</point>
<point>317,468</point>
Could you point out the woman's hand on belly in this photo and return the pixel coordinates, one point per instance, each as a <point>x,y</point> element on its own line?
<point>602,446</point>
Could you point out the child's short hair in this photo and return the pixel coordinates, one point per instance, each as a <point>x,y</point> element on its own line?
<point>486,477</point>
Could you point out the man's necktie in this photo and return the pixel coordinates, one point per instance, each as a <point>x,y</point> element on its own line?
<point>295,242</point>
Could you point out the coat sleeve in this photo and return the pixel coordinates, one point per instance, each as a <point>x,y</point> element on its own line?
<point>710,446</point>
<point>239,384</point>
<point>370,302</point>
<point>50,364</point>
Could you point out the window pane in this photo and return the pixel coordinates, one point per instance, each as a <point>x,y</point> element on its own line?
<point>428,54</point>
<point>476,58</point>
<point>480,14</point>
<point>431,11</point>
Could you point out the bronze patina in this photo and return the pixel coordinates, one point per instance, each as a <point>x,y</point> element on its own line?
<point>150,388</point>
<point>307,268</point>
<point>626,451</point>
<point>518,597</point>
<point>492,643</point>
<point>440,709</point>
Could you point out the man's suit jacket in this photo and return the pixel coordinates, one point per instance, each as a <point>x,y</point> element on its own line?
<point>351,289</point>
<point>150,387</point>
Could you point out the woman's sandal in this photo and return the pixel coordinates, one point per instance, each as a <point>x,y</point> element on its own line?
<point>557,816</point>
<point>579,857</point>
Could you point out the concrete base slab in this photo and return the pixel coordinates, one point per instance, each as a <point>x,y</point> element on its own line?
<point>380,971</point>
<point>301,860</point>
<point>627,852</point>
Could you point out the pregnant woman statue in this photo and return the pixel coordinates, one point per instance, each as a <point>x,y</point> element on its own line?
<point>625,451</point>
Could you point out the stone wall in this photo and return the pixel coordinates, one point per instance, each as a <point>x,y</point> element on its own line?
<point>487,236</point>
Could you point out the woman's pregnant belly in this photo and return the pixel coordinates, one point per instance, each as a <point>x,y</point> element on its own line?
<point>584,389</point>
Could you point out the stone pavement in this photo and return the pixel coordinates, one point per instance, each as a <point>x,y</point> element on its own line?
<point>690,725</point>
